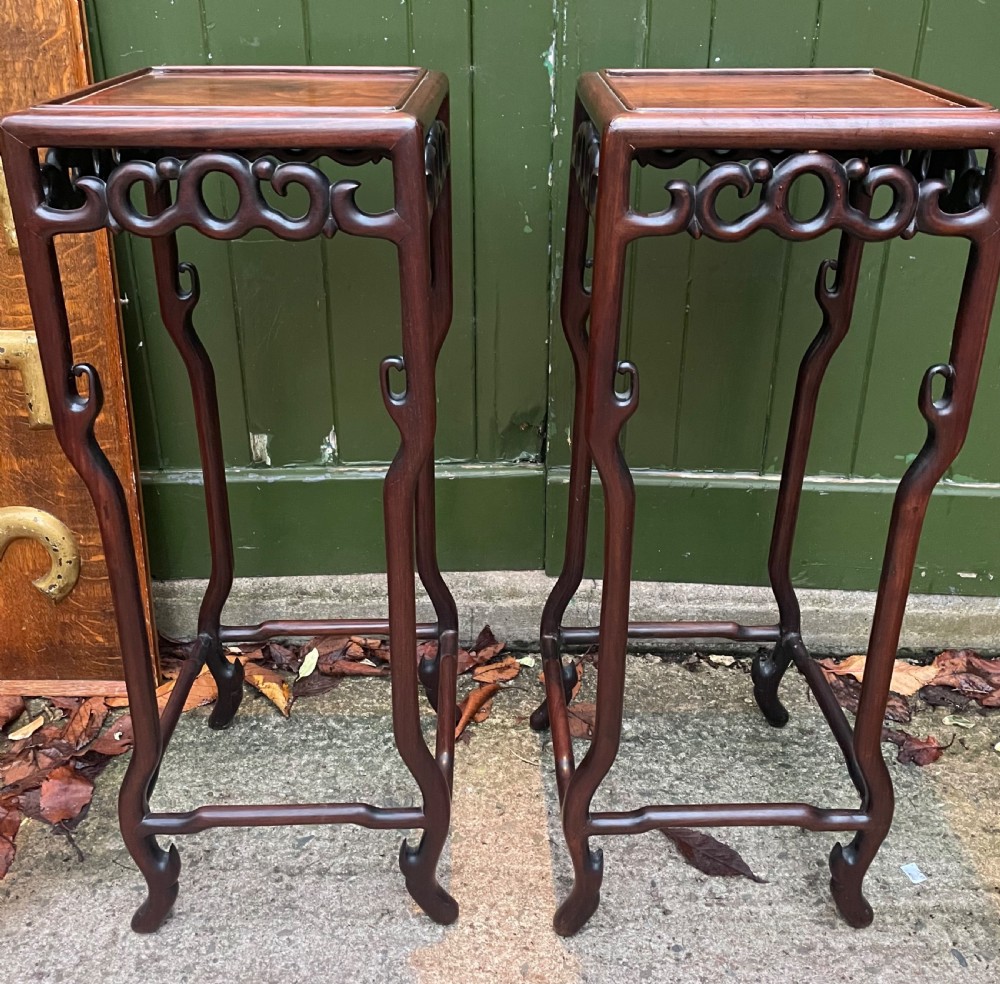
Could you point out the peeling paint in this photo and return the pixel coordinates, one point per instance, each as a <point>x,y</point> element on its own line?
<point>328,453</point>
<point>260,448</point>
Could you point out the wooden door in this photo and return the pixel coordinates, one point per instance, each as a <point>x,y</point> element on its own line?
<point>57,628</point>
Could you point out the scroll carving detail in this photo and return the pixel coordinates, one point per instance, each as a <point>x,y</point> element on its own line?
<point>938,192</point>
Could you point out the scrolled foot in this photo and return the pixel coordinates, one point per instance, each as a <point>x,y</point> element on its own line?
<point>162,875</point>
<point>229,680</point>
<point>419,867</point>
<point>848,874</point>
<point>766,673</point>
<point>539,720</point>
<point>583,900</point>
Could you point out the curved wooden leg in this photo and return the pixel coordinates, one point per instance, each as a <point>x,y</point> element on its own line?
<point>607,411</point>
<point>75,410</point>
<point>408,495</point>
<point>837,304</point>
<point>574,311</point>
<point>947,420</point>
<point>177,306</point>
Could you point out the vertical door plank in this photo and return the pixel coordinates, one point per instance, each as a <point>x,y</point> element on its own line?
<point>736,289</point>
<point>361,283</point>
<point>590,35</point>
<point>513,95</point>
<point>164,415</point>
<point>441,37</point>
<point>277,286</point>
<point>677,37</point>
<point>921,293</point>
<point>852,32</point>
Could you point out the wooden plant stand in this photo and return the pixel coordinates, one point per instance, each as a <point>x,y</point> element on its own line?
<point>856,130</point>
<point>72,166</point>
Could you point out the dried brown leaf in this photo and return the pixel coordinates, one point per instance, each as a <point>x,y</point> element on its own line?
<point>969,674</point>
<point>473,704</point>
<point>485,639</point>
<point>907,678</point>
<point>918,751</point>
<point>116,740</point>
<point>466,661</point>
<point>328,645</point>
<point>271,684</point>
<point>943,697</point>
<point>314,685</point>
<point>64,793</point>
<point>581,720</point>
<point>27,730</point>
<point>500,672</point>
<point>203,691</point>
<point>708,855</point>
<point>348,667</point>
<point>86,722</point>
<point>11,708</point>
<point>10,822</point>
<point>847,690</point>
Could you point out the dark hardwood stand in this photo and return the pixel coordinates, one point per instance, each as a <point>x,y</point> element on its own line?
<point>856,131</point>
<point>76,165</point>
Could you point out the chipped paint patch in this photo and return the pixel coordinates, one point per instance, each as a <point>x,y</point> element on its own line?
<point>260,453</point>
<point>328,452</point>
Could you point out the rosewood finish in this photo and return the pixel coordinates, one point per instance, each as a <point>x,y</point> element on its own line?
<point>77,165</point>
<point>857,131</point>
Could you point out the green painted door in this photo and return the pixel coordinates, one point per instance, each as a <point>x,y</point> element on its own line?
<point>297,330</point>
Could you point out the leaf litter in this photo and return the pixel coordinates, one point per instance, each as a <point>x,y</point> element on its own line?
<point>53,749</point>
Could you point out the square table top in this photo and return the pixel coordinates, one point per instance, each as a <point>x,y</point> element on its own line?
<point>825,107</point>
<point>230,106</point>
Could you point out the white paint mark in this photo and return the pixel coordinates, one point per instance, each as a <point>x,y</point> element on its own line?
<point>259,448</point>
<point>328,448</point>
<point>971,574</point>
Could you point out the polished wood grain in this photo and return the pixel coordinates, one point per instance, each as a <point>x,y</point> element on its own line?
<point>799,109</point>
<point>816,89</point>
<point>72,643</point>
<point>197,88</point>
<point>231,106</point>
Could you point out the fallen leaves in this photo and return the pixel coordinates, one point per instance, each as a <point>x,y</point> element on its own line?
<point>64,793</point>
<point>476,706</point>
<point>27,730</point>
<point>907,678</point>
<point>49,764</point>
<point>708,855</point>
<point>913,750</point>
<point>954,679</point>
<point>11,708</point>
<point>581,720</point>
<point>275,687</point>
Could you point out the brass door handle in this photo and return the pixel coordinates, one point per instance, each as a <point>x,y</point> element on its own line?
<point>27,523</point>
<point>19,350</point>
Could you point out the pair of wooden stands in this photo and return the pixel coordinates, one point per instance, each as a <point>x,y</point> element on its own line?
<point>77,165</point>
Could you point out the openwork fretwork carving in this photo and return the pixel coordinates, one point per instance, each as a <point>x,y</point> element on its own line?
<point>937,191</point>
<point>84,190</point>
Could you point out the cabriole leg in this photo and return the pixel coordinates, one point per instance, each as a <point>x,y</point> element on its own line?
<point>837,304</point>
<point>574,311</point>
<point>74,415</point>
<point>414,412</point>
<point>947,423</point>
<point>605,415</point>
<point>177,306</point>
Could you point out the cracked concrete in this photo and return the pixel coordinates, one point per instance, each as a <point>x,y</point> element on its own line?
<point>299,904</point>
